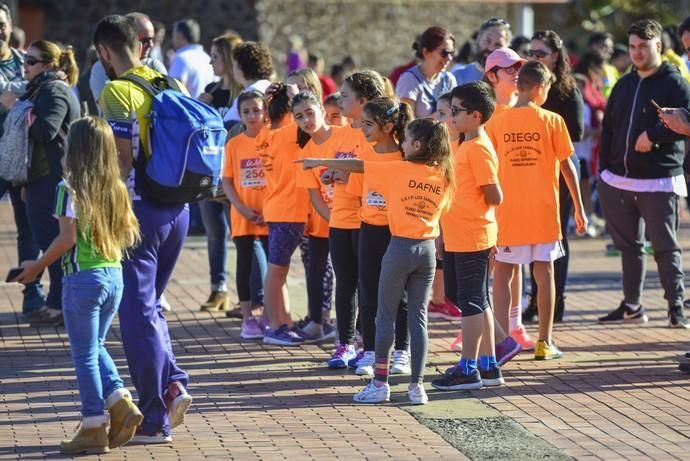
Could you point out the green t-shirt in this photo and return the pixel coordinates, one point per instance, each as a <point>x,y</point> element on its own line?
<point>83,255</point>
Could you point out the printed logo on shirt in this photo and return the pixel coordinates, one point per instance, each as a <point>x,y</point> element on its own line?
<point>419,185</point>
<point>345,155</point>
<point>523,154</point>
<point>376,200</point>
<point>266,158</point>
<point>121,129</point>
<point>252,173</point>
<point>211,150</point>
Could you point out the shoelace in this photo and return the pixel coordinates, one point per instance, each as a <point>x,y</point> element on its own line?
<point>340,351</point>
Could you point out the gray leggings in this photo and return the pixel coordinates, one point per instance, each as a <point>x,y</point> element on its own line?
<point>408,265</point>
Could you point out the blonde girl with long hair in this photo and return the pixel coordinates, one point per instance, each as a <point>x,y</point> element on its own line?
<point>97,225</point>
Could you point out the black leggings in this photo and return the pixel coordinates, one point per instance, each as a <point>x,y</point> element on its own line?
<point>373,243</point>
<point>317,264</point>
<point>343,246</point>
<point>245,255</point>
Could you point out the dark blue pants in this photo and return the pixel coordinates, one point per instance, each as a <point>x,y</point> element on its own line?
<point>40,201</point>
<point>26,246</point>
<point>142,324</point>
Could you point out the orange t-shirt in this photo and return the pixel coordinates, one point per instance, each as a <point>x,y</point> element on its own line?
<point>283,200</point>
<point>345,142</point>
<point>489,126</point>
<point>415,196</point>
<point>530,143</point>
<point>243,166</point>
<point>373,208</point>
<point>317,226</point>
<point>470,224</point>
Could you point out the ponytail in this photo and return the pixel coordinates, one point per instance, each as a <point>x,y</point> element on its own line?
<point>387,110</point>
<point>68,64</point>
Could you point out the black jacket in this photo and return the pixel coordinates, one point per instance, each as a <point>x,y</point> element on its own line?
<point>571,107</point>
<point>630,111</point>
<point>55,107</point>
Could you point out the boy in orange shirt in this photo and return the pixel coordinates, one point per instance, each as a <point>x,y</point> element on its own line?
<point>469,233</point>
<point>533,146</point>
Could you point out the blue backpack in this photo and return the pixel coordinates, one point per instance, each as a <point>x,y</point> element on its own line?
<point>187,140</point>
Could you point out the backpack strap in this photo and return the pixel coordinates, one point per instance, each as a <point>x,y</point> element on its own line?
<point>155,86</point>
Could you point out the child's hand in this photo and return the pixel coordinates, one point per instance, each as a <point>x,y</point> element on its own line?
<point>340,176</point>
<point>258,218</point>
<point>28,275</point>
<point>327,177</point>
<point>580,222</point>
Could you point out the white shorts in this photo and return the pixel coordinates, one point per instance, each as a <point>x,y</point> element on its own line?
<point>525,254</point>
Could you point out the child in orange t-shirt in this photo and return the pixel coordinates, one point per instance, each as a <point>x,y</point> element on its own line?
<point>533,146</point>
<point>417,191</point>
<point>469,234</point>
<point>244,183</point>
<point>383,123</point>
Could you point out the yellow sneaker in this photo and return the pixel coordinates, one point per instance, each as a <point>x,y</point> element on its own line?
<point>546,351</point>
<point>91,441</point>
<point>125,417</point>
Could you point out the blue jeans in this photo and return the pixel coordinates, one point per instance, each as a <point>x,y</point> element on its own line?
<point>90,299</point>
<point>214,215</point>
<point>26,246</point>
<point>40,201</point>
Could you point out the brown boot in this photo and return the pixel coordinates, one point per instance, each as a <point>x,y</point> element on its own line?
<point>217,301</point>
<point>125,417</point>
<point>90,441</point>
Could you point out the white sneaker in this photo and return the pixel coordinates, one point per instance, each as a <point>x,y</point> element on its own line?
<point>365,365</point>
<point>417,394</point>
<point>165,305</point>
<point>373,394</point>
<point>400,365</point>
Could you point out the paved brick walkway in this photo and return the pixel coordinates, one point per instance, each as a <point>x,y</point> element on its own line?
<point>615,395</point>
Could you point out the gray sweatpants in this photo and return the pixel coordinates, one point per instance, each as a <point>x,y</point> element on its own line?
<point>408,265</point>
<point>628,214</point>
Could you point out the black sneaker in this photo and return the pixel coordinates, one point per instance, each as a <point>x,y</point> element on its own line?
<point>492,378</point>
<point>625,315</point>
<point>458,380</point>
<point>684,367</point>
<point>48,318</point>
<point>677,318</point>
<point>529,315</point>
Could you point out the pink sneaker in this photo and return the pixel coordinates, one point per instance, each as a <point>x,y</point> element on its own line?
<point>251,329</point>
<point>446,310</point>
<point>520,335</point>
<point>177,401</point>
<point>456,345</point>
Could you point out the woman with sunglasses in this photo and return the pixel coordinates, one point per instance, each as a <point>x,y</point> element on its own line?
<point>423,84</point>
<point>51,72</point>
<point>565,99</point>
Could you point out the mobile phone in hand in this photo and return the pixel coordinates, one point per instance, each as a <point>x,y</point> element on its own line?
<point>13,273</point>
<point>655,104</point>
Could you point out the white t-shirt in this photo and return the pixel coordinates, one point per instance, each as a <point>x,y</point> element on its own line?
<point>192,66</point>
<point>234,114</point>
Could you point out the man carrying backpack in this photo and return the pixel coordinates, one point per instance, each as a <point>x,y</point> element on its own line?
<point>160,383</point>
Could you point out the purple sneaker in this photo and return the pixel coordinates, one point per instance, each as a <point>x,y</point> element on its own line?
<point>352,363</point>
<point>342,355</point>
<point>251,329</point>
<point>506,350</point>
<point>283,336</point>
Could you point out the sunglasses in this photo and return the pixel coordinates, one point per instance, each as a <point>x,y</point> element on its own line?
<point>446,53</point>
<point>32,61</point>
<point>455,110</point>
<point>512,70</point>
<point>539,54</point>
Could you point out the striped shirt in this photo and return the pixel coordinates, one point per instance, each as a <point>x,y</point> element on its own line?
<point>83,255</point>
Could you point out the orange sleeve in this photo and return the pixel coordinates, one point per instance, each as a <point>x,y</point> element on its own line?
<point>228,167</point>
<point>484,165</point>
<point>562,145</point>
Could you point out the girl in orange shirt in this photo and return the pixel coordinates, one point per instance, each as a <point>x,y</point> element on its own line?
<point>383,123</point>
<point>243,183</point>
<point>417,191</point>
<point>357,89</point>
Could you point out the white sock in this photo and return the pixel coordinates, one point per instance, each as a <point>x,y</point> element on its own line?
<point>90,422</point>
<point>633,307</point>
<point>116,396</point>
<point>514,318</point>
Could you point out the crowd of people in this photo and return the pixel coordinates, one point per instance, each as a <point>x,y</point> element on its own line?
<point>407,197</point>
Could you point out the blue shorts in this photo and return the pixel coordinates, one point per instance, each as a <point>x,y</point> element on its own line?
<point>283,240</point>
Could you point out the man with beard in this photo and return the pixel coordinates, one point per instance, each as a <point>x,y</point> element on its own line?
<point>144,28</point>
<point>160,383</point>
<point>641,170</point>
<point>493,34</point>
